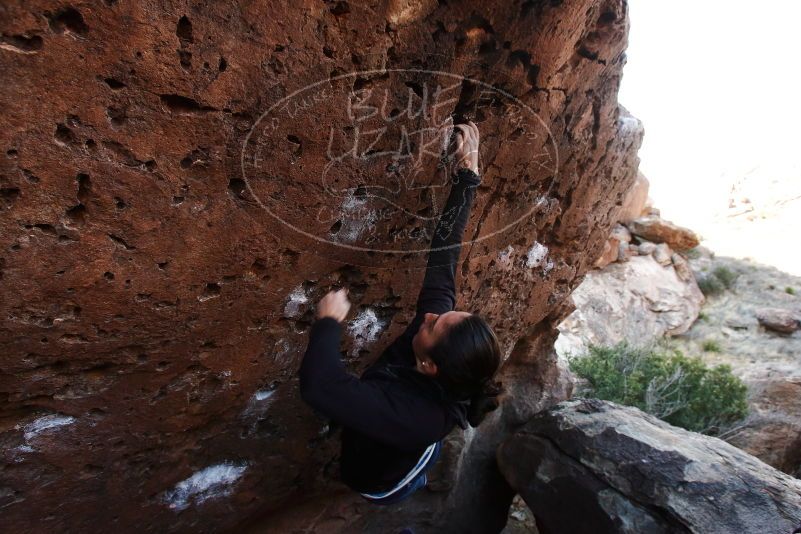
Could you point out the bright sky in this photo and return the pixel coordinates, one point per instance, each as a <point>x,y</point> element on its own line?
<point>717,86</point>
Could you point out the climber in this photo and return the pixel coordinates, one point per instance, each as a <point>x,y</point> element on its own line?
<point>438,373</point>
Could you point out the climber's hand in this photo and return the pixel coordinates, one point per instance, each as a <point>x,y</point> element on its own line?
<point>334,304</point>
<point>467,146</point>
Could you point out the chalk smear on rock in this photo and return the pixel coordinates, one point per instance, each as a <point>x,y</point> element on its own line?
<point>46,423</point>
<point>537,256</point>
<point>365,328</point>
<point>212,482</point>
<point>296,300</point>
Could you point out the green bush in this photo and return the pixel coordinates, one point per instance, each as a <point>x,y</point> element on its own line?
<point>789,290</point>
<point>725,275</point>
<point>710,285</point>
<point>710,345</point>
<point>663,382</point>
<point>719,279</point>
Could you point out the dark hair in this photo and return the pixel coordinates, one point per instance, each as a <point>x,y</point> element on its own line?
<point>467,357</point>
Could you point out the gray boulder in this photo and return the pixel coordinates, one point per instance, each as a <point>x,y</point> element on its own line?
<point>589,466</point>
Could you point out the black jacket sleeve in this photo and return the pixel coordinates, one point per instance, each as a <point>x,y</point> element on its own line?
<point>367,406</point>
<point>438,294</point>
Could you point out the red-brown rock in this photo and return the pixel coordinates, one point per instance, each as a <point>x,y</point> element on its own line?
<point>779,320</point>
<point>659,230</point>
<point>155,302</point>
<point>636,199</point>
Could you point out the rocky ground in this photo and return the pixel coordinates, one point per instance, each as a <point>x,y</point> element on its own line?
<point>728,329</point>
<point>733,328</point>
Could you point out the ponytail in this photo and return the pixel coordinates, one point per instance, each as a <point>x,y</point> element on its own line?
<point>467,359</point>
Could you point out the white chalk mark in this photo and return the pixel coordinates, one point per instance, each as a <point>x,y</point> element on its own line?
<point>296,300</point>
<point>355,218</point>
<point>212,482</point>
<point>46,423</point>
<point>536,255</point>
<point>365,328</point>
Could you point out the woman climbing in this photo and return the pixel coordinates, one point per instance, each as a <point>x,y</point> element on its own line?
<point>436,374</point>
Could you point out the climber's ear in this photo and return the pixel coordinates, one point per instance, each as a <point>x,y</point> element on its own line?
<point>428,367</point>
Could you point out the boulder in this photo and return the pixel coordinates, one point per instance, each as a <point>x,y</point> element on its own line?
<point>588,466</point>
<point>610,253</point>
<point>658,230</point>
<point>623,252</point>
<point>779,320</point>
<point>646,248</point>
<point>634,205</point>
<point>614,247</point>
<point>637,300</point>
<point>662,254</point>
<point>621,233</point>
<point>772,430</point>
<point>181,185</point>
<point>682,266</point>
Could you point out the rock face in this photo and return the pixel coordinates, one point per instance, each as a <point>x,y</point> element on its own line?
<point>772,430</point>
<point>653,228</point>
<point>179,185</point>
<point>636,200</point>
<point>639,300</point>
<point>592,466</point>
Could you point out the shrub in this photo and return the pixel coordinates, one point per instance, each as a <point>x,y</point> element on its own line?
<point>663,382</point>
<point>715,282</point>
<point>710,345</point>
<point>725,275</point>
<point>789,290</point>
<point>710,285</point>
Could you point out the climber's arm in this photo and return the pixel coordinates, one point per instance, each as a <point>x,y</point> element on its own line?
<point>363,405</point>
<point>438,293</point>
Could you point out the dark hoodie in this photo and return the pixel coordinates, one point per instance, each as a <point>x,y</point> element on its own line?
<point>393,412</point>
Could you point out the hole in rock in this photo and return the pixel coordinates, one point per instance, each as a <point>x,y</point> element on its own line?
<point>63,135</point>
<point>8,195</point>
<point>24,43</point>
<point>69,19</point>
<point>84,186</point>
<point>607,17</point>
<point>114,84</point>
<point>211,291</point>
<point>339,9</point>
<point>185,58</point>
<point>237,188</point>
<point>182,104</point>
<point>184,30</point>
<point>77,214</point>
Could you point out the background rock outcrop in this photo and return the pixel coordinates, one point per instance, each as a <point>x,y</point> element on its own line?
<point>594,466</point>
<point>636,301</point>
<point>153,312</point>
